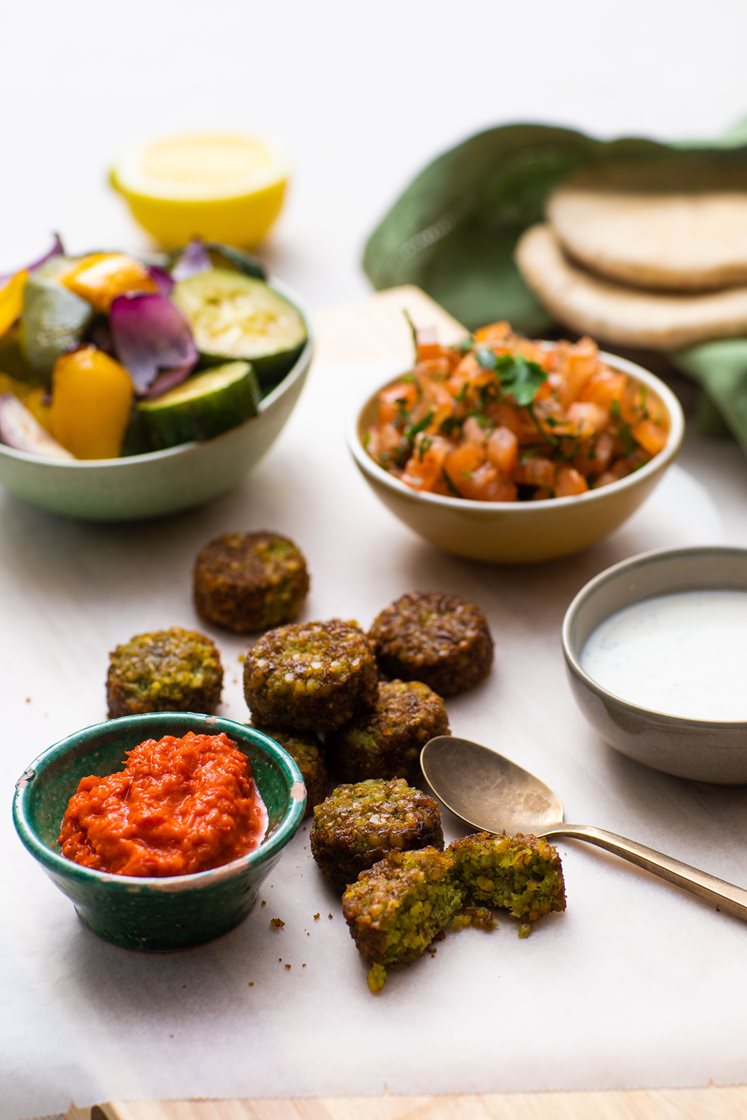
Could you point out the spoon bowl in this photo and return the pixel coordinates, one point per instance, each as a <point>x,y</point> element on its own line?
<point>493,794</point>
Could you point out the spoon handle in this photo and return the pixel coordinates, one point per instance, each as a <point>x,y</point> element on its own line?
<point>723,895</point>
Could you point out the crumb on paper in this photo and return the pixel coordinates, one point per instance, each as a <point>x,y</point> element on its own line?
<point>330,916</point>
<point>288,967</point>
<point>303,965</point>
<point>263,902</point>
<point>251,983</point>
<point>376,977</point>
<point>28,699</point>
<point>241,658</point>
<point>317,917</point>
<point>277,923</point>
<point>525,929</point>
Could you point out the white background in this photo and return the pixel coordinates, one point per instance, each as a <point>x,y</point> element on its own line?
<point>634,985</point>
<point>363,94</point>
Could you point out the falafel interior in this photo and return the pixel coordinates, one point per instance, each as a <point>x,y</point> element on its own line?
<point>396,908</point>
<point>521,874</point>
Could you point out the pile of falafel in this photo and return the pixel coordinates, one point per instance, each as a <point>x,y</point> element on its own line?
<point>359,707</point>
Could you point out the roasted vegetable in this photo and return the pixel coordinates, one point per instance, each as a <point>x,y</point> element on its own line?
<point>152,339</point>
<point>19,429</point>
<point>100,277</point>
<point>91,403</point>
<point>237,316</point>
<point>202,407</point>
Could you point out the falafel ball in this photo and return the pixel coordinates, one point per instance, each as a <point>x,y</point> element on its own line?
<point>521,874</point>
<point>310,676</point>
<point>164,670</point>
<point>359,824</point>
<point>308,756</point>
<point>442,640</point>
<point>246,582</point>
<point>397,908</point>
<point>386,743</point>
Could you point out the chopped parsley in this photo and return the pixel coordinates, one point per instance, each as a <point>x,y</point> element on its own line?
<point>420,426</point>
<point>519,378</point>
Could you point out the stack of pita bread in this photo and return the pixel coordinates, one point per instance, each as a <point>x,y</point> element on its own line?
<point>646,255</point>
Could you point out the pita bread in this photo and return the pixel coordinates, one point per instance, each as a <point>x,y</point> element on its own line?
<point>623,316</point>
<point>674,225</point>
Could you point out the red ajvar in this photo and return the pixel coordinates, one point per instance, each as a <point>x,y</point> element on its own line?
<point>179,806</point>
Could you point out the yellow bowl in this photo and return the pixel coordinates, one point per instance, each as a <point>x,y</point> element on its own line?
<point>219,186</point>
<point>521,532</point>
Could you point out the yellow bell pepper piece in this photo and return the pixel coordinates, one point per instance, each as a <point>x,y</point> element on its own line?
<point>101,277</point>
<point>91,403</point>
<point>11,299</point>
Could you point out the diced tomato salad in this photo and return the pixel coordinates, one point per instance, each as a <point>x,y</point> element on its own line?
<point>501,418</point>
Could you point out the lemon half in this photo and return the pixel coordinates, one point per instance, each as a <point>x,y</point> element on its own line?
<point>220,186</point>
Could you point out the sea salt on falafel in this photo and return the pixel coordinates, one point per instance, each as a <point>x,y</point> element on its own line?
<point>310,676</point>
<point>164,670</point>
<point>359,824</point>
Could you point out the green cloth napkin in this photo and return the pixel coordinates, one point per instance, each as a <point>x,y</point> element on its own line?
<point>453,232</point>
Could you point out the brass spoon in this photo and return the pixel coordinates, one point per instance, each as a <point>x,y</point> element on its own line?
<point>492,794</point>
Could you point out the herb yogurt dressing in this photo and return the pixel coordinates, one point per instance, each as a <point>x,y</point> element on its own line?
<point>682,654</point>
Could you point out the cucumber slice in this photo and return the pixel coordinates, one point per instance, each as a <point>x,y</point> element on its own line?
<point>203,406</point>
<point>53,319</point>
<point>237,316</point>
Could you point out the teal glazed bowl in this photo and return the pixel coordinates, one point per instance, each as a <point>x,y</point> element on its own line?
<point>172,912</point>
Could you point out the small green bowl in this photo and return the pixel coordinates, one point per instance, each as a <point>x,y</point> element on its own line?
<point>166,913</point>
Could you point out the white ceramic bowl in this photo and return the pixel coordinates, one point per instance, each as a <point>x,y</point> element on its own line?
<point>521,532</point>
<point>700,749</point>
<point>159,482</point>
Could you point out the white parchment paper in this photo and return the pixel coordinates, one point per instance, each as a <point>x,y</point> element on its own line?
<point>637,985</point>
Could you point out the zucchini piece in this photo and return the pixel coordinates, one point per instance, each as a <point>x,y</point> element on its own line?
<point>226,256</point>
<point>203,406</point>
<point>233,316</point>
<point>53,321</point>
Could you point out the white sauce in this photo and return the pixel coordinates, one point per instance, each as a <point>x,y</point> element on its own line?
<point>683,654</point>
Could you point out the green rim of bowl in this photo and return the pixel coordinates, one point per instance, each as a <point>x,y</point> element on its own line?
<point>661,459</point>
<point>189,721</point>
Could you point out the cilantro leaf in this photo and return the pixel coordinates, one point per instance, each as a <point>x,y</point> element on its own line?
<point>519,378</point>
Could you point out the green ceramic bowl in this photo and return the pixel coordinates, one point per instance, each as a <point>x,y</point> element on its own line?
<point>155,913</point>
<point>160,482</point>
